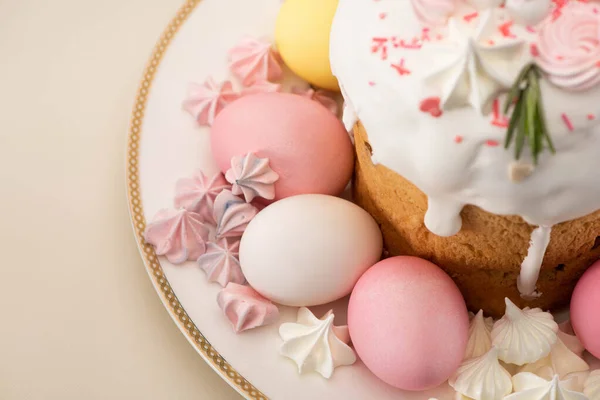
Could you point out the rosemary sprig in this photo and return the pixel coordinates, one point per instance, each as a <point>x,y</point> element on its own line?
<point>528,121</point>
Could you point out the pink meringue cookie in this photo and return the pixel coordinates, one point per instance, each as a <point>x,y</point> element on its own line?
<point>252,177</point>
<point>180,235</point>
<point>245,308</point>
<point>232,215</point>
<point>324,97</point>
<point>254,60</point>
<point>221,263</point>
<point>199,192</point>
<point>261,86</point>
<point>204,102</point>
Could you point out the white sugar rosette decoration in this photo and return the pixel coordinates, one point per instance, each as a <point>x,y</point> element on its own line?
<point>591,387</point>
<point>434,12</point>
<point>524,336</point>
<point>482,378</point>
<point>316,344</point>
<point>561,361</point>
<point>480,337</point>
<point>569,47</point>
<point>528,12</point>
<point>252,176</point>
<point>531,387</point>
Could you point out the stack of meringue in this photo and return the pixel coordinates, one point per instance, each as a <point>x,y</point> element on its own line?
<point>523,356</point>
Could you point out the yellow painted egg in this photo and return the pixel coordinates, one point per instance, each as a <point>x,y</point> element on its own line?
<point>302,37</point>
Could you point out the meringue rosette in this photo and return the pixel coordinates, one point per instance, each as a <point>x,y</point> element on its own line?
<point>524,336</point>
<point>316,344</point>
<point>245,308</point>
<point>252,177</point>
<point>198,193</point>
<point>221,263</point>
<point>205,101</point>
<point>180,235</point>
<point>232,215</point>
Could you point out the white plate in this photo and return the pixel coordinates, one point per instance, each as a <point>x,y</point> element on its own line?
<point>165,144</point>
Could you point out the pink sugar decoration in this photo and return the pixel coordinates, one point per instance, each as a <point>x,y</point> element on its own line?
<point>198,194</point>
<point>402,70</point>
<point>470,17</point>
<point>492,143</point>
<point>371,83</point>
<point>205,101</point>
<point>255,60</point>
<point>498,119</point>
<point>246,308</point>
<point>567,122</point>
<point>221,263</point>
<point>505,29</point>
<point>180,235</point>
<point>382,15</point>
<point>232,215</point>
<point>591,117</point>
<point>535,52</point>
<point>261,87</point>
<point>458,139</point>
<point>252,177</point>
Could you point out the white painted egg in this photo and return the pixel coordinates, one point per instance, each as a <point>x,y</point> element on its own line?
<point>310,249</point>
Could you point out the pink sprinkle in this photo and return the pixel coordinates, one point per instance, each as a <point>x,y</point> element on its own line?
<point>567,122</point>
<point>458,139</point>
<point>371,83</point>
<point>591,117</point>
<point>492,143</point>
<point>491,42</point>
<point>505,29</point>
<point>535,52</point>
<point>470,17</point>
<point>598,64</point>
<point>400,68</point>
<point>382,15</point>
<point>530,29</point>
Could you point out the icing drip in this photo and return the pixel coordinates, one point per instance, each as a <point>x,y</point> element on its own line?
<point>530,268</point>
<point>443,217</point>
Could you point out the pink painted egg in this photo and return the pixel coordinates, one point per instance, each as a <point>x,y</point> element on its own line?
<point>585,306</point>
<point>408,323</point>
<point>305,143</point>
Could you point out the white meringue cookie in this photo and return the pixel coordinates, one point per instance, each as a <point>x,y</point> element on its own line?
<point>591,387</point>
<point>482,378</point>
<point>529,386</point>
<point>524,336</point>
<point>561,361</point>
<point>316,344</point>
<point>480,338</point>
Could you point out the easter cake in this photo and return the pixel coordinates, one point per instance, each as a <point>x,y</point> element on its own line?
<point>470,130</point>
<point>476,133</point>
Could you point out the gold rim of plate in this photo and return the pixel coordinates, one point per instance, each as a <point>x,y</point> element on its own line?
<point>155,271</point>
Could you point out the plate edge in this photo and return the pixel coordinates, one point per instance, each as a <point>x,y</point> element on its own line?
<point>149,258</point>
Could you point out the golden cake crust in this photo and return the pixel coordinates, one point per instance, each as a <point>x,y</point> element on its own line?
<point>485,257</point>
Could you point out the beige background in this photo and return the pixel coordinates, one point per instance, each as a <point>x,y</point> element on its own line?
<point>79,317</point>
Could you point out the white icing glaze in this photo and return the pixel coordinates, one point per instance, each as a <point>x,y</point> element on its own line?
<point>530,268</point>
<point>524,336</point>
<point>458,158</point>
<point>531,387</point>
